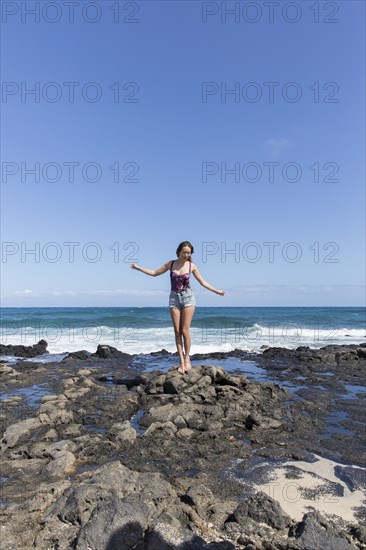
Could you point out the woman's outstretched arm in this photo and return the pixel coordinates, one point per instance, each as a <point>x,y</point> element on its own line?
<point>204,283</point>
<point>152,272</point>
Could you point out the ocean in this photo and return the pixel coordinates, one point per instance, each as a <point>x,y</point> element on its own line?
<point>149,329</point>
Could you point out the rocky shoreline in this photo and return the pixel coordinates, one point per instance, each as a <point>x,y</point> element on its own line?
<point>110,456</point>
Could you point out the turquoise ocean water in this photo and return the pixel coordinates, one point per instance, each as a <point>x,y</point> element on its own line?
<point>149,329</point>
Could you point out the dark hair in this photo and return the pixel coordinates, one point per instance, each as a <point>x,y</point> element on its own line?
<point>181,245</point>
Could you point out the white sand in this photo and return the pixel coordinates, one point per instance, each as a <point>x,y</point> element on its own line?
<point>290,492</point>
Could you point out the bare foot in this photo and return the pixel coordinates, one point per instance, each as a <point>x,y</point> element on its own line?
<point>187,365</point>
<point>181,368</point>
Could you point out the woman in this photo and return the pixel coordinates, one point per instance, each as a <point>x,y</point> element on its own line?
<point>181,300</point>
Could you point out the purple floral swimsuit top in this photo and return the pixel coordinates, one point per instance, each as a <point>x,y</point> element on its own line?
<point>179,283</point>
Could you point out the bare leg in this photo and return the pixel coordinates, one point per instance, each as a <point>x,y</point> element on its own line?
<point>176,316</point>
<point>187,315</point>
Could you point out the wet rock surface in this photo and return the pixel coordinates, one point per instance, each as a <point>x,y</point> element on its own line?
<point>108,456</point>
<point>328,386</point>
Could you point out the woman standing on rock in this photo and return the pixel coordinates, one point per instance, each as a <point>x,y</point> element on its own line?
<point>182,302</point>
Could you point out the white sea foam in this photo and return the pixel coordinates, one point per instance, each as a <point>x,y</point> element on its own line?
<point>205,339</point>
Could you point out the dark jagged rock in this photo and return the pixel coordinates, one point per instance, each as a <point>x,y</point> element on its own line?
<point>161,352</point>
<point>126,526</point>
<point>354,478</point>
<point>118,458</point>
<point>303,356</point>
<point>314,531</point>
<point>261,508</point>
<point>107,352</point>
<point>131,382</point>
<point>359,533</point>
<point>329,355</point>
<point>25,351</point>
<point>237,353</point>
<point>80,355</point>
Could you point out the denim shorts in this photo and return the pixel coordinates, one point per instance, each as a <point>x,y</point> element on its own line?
<point>179,300</point>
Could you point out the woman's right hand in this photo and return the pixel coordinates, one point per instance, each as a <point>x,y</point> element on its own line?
<point>134,266</point>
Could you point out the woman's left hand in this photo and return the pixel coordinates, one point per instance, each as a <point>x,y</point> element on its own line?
<point>221,292</point>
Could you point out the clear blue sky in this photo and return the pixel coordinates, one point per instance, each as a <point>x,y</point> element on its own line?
<point>168,134</point>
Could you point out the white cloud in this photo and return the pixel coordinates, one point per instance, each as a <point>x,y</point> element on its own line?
<point>277,145</point>
<point>283,289</point>
<point>118,292</point>
<point>37,293</point>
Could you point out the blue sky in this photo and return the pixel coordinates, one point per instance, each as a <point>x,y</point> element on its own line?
<point>172,131</point>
